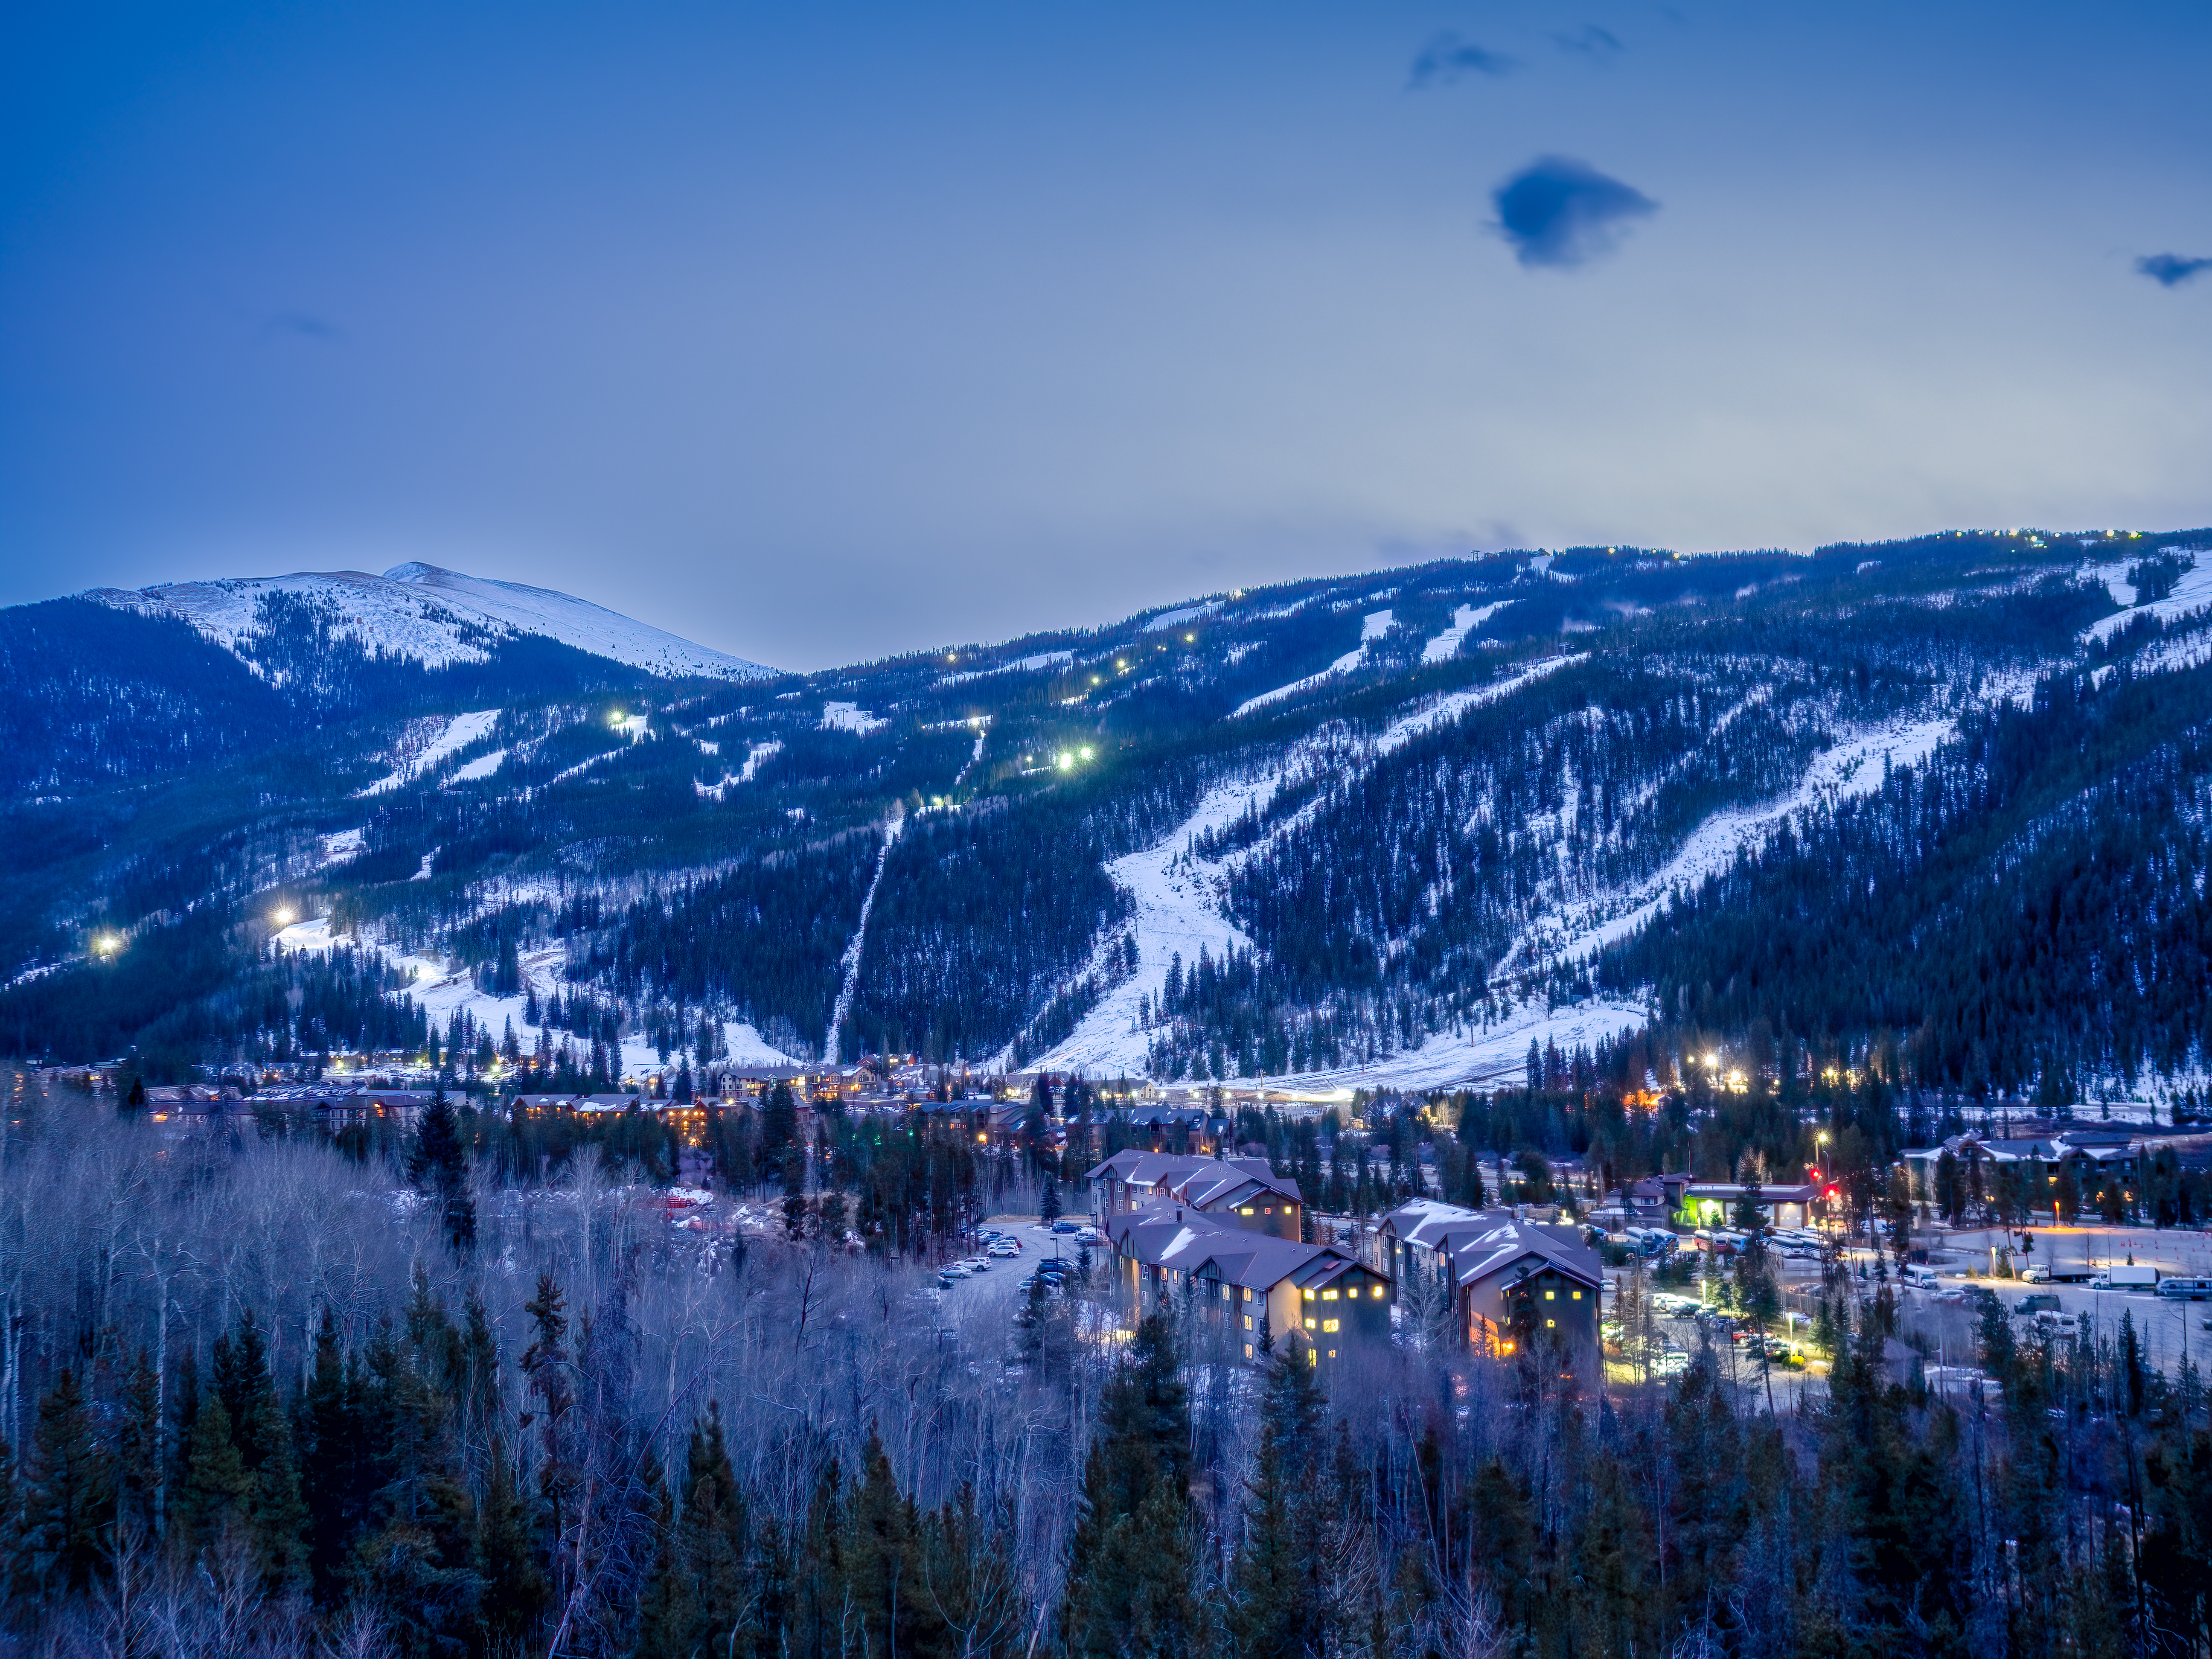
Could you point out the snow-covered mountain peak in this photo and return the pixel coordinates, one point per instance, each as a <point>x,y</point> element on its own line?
<point>433,616</point>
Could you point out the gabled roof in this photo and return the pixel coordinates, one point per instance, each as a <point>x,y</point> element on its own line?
<point>1170,1236</point>
<point>1434,1226</point>
<point>1484,1257</point>
<point>1164,1171</point>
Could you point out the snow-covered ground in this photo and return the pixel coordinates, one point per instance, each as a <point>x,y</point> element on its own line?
<point>1371,629</point>
<point>1481,1058</point>
<point>1178,895</point>
<point>2192,593</point>
<point>1178,912</point>
<point>1043,659</point>
<point>1854,767</point>
<point>441,994</point>
<point>426,614</point>
<point>1176,618</point>
<point>850,717</point>
<point>1465,620</point>
<point>848,969</point>
<point>481,767</point>
<point>345,844</point>
<point>459,732</point>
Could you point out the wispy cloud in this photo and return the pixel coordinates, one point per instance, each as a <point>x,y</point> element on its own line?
<point>2172,270</point>
<point>1559,212</point>
<point>1448,58</point>
<point>1599,46</point>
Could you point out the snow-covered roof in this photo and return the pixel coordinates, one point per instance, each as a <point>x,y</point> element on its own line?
<point>1175,1236</point>
<point>1172,1171</point>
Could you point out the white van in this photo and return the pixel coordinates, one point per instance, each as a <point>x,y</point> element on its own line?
<point>2186,1289</point>
<point>1921,1278</point>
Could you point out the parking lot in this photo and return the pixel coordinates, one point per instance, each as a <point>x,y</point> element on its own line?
<point>991,1295</point>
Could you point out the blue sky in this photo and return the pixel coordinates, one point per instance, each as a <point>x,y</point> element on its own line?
<point>818,333</point>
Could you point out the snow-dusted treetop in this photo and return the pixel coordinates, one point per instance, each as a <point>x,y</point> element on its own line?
<point>434,616</point>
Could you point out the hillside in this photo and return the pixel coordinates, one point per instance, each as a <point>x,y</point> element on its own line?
<point>1934,806</point>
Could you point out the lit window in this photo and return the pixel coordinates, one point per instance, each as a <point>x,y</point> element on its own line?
<point>1248,1321</point>
<point>1332,1353</point>
<point>1579,1296</point>
<point>1313,1356</point>
<point>1331,1325</point>
<point>1378,1292</point>
<point>1309,1324</point>
<point>1247,1349</point>
<point>1246,1210</point>
<point>1550,1295</point>
<point>1308,1295</point>
<point>1328,1296</point>
<point>1551,1324</point>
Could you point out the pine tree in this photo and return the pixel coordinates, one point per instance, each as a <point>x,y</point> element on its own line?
<point>1048,1209</point>
<point>508,1561</point>
<point>69,1502</point>
<point>1281,1600</point>
<point>275,1517</point>
<point>1132,1587</point>
<point>217,1485</point>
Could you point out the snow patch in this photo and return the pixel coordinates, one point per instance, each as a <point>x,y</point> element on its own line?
<point>1371,627</point>
<point>1168,619</point>
<point>850,717</point>
<point>1465,620</point>
<point>459,732</point>
<point>481,767</point>
<point>433,616</point>
<point>345,844</point>
<point>850,968</point>
<point>2192,593</point>
<point>1022,666</point>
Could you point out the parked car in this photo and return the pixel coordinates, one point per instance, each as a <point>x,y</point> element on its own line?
<point>1066,1227</point>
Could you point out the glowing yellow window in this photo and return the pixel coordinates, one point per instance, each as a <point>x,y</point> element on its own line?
<point>1313,1356</point>
<point>1579,1296</point>
<point>1332,1353</point>
<point>1328,1296</point>
<point>1551,1324</point>
<point>1378,1292</point>
<point>1309,1324</point>
<point>1308,1295</point>
<point>1330,1324</point>
<point>1246,1210</point>
<point>1248,1321</point>
<point>1550,1295</point>
<point>1247,1349</point>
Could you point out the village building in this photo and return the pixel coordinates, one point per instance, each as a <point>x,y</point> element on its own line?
<point>1257,1290</point>
<point>1242,1192</point>
<point>2097,1155</point>
<point>1715,1203</point>
<point>1512,1283</point>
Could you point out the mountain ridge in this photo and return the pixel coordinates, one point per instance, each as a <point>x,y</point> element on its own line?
<point>429,615</point>
<point>1393,828</point>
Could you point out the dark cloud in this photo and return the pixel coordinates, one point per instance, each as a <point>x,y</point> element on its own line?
<point>1599,46</point>
<point>1447,58</point>
<point>1560,212</point>
<point>2172,270</point>
<point>300,326</point>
